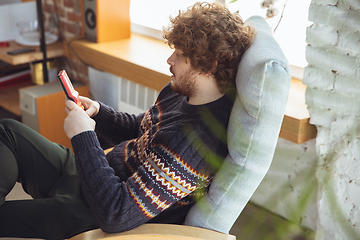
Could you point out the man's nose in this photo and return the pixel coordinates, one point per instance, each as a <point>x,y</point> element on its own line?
<point>170,60</point>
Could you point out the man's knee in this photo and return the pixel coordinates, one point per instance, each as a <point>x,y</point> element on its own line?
<point>8,123</point>
<point>7,129</point>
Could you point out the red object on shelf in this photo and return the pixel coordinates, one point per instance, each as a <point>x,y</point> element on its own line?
<point>15,79</point>
<point>4,44</point>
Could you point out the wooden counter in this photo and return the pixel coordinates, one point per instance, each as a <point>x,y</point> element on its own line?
<point>143,60</point>
<point>296,126</point>
<point>139,59</point>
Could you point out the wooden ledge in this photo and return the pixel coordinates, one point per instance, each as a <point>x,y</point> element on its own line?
<point>140,59</point>
<point>143,60</point>
<point>296,126</point>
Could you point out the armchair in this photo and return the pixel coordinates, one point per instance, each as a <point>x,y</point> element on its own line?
<point>263,83</point>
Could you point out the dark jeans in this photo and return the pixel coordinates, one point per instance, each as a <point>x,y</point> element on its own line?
<point>47,172</point>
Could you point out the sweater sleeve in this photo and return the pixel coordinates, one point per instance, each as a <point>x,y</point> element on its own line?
<point>116,126</point>
<point>106,194</point>
<point>161,180</point>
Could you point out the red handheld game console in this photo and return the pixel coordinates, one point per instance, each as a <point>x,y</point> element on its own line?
<point>69,90</point>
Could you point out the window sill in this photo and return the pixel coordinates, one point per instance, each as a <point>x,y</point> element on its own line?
<point>143,60</point>
<point>296,126</point>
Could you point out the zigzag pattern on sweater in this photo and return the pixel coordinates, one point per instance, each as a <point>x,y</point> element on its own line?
<point>163,175</point>
<point>174,182</point>
<point>143,142</point>
<point>155,198</point>
<point>156,169</point>
<point>142,206</point>
<point>166,171</point>
<point>141,145</point>
<point>164,183</point>
<point>146,122</point>
<point>183,164</point>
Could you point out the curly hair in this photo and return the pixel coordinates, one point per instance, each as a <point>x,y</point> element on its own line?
<point>209,34</point>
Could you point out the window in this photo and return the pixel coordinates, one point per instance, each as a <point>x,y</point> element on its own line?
<point>149,17</point>
<point>290,34</point>
<point>155,13</point>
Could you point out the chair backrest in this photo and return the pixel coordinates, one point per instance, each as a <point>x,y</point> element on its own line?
<point>263,83</point>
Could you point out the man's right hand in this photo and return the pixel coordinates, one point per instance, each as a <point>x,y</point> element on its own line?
<point>91,107</point>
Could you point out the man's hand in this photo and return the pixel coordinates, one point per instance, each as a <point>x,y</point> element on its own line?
<point>78,120</point>
<point>91,107</point>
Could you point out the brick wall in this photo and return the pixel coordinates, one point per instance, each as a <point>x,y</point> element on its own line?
<point>68,14</point>
<point>333,98</point>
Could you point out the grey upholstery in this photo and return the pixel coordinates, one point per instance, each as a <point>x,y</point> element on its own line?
<point>263,83</point>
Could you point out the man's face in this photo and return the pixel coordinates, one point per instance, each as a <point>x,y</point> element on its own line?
<point>183,79</point>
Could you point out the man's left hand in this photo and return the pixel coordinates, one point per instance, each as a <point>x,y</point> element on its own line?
<point>77,120</point>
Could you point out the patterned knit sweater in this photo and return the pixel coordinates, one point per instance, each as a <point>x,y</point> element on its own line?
<point>161,161</point>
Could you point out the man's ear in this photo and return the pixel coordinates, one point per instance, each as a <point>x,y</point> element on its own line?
<point>212,70</point>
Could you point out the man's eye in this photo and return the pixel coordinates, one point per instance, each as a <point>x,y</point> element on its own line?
<point>178,53</point>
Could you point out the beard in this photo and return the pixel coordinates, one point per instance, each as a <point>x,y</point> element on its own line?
<point>186,84</point>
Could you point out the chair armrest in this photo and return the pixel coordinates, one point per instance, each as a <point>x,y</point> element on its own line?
<point>153,231</point>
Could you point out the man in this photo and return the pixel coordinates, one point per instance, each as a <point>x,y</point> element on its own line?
<point>162,159</point>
